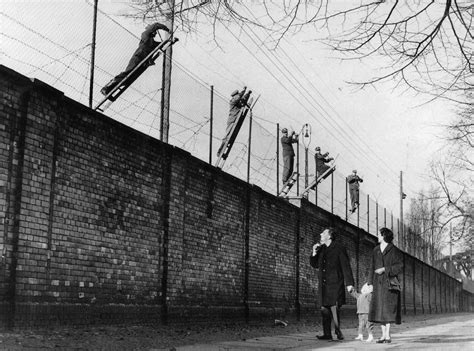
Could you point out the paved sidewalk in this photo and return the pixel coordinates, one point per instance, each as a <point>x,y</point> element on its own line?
<point>446,333</point>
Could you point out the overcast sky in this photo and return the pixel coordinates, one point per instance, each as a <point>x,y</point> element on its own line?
<point>379,131</point>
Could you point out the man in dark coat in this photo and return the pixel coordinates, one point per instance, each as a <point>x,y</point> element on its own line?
<point>334,273</point>
<point>321,160</point>
<point>354,181</point>
<point>238,99</point>
<point>288,153</point>
<point>146,45</point>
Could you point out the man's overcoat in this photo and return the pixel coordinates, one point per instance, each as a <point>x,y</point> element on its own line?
<point>334,273</point>
<point>385,305</point>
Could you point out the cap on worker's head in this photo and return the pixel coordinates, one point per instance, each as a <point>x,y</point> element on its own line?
<point>235,92</point>
<point>318,148</point>
<point>354,171</point>
<point>284,130</point>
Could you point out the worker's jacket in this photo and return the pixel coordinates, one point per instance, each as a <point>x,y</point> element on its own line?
<point>286,146</point>
<point>353,181</point>
<point>235,104</point>
<point>321,160</point>
<point>147,44</point>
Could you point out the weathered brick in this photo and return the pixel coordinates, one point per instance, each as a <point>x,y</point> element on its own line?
<point>102,216</point>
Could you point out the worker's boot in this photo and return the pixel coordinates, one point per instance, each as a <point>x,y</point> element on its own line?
<point>108,87</point>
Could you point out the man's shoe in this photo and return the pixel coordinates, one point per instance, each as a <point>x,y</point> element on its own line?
<point>380,341</point>
<point>104,91</point>
<point>324,337</point>
<point>339,334</point>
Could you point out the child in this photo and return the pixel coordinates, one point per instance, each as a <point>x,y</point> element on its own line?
<point>363,304</point>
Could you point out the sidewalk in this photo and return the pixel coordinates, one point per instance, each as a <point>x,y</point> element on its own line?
<point>438,333</point>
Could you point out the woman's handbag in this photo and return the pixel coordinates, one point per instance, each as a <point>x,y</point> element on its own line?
<point>394,284</point>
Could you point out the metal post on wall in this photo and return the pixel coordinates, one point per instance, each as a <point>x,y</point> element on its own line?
<point>316,186</point>
<point>250,146</point>
<point>405,240</point>
<point>211,121</point>
<point>306,135</point>
<point>278,158</point>
<point>298,168</point>
<point>398,232</point>
<point>94,32</point>
<point>332,192</point>
<point>368,214</point>
<point>385,217</point>
<point>402,197</point>
<point>346,198</point>
<point>306,170</point>
<point>376,217</point>
<point>358,217</point>
<point>391,221</point>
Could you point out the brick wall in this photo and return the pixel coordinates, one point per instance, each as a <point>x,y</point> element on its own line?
<point>102,224</point>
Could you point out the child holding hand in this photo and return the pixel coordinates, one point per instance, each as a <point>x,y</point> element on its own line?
<point>363,304</point>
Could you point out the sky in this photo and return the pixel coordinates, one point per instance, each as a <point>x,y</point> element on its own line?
<point>379,131</point>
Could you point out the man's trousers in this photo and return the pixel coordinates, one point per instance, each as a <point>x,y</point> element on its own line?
<point>287,167</point>
<point>354,198</point>
<point>328,316</point>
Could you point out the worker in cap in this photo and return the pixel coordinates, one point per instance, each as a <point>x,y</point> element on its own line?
<point>288,153</point>
<point>146,46</point>
<point>238,99</point>
<point>354,181</point>
<point>321,160</point>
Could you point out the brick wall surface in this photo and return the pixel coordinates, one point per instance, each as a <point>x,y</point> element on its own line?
<point>102,224</point>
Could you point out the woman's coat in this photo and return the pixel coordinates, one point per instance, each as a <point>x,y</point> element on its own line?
<point>386,305</point>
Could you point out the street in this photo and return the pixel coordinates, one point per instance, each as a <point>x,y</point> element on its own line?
<point>439,333</point>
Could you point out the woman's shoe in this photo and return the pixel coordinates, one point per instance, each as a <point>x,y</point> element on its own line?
<point>360,337</point>
<point>370,338</point>
<point>387,341</point>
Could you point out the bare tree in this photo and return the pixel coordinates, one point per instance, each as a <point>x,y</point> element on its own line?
<point>452,198</point>
<point>427,235</point>
<point>426,44</point>
<point>461,134</point>
<point>456,194</point>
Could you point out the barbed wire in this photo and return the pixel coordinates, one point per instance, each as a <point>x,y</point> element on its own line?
<point>263,156</point>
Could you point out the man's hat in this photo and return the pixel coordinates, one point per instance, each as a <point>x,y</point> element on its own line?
<point>354,171</point>
<point>235,92</point>
<point>284,130</point>
<point>317,148</point>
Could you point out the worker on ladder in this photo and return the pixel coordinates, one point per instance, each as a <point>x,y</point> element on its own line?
<point>288,153</point>
<point>238,99</point>
<point>321,160</point>
<point>354,181</point>
<point>147,45</point>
